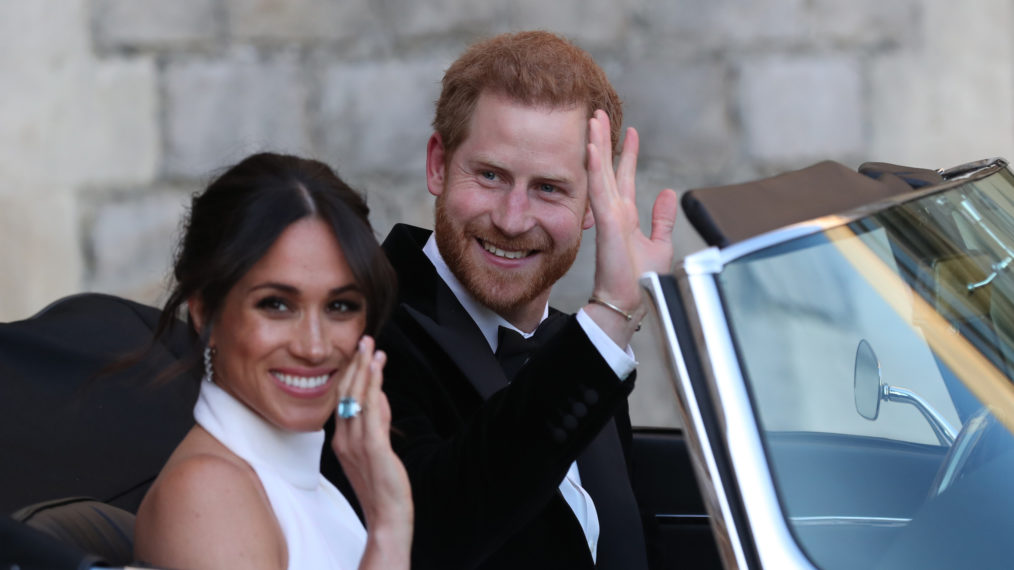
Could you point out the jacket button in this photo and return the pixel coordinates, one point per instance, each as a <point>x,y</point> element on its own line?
<point>579,410</point>
<point>559,436</point>
<point>591,397</point>
<point>569,422</point>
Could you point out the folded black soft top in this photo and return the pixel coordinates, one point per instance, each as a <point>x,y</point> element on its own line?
<point>723,215</point>
<point>65,429</point>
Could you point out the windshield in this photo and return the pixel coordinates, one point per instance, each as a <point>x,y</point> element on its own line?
<point>879,354</point>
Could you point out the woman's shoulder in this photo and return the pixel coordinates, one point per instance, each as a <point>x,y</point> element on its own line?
<point>207,500</point>
<point>202,466</point>
<point>201,473</point>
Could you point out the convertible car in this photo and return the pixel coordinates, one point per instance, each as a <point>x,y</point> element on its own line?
<point>841,354</point>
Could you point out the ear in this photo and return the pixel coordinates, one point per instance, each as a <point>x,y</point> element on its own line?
<point>435,164</point>
<point>196,310</point>
<point>589,217</point>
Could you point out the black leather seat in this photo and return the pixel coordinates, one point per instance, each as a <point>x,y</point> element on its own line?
<point>90,526</point>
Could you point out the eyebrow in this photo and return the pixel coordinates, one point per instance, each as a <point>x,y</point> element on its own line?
<point>351,287</point>
<point>556,179</point>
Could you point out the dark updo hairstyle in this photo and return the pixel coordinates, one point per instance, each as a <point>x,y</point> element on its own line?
<point>236,220</point>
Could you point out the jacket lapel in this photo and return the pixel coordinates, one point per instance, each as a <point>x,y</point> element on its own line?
<point>474,359</point>
<point>429,302</point>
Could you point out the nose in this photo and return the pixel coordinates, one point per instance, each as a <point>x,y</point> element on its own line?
<point>309,343</point>
<point>512,214</point>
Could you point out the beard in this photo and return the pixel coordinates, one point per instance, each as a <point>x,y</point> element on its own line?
<point>505,291</point>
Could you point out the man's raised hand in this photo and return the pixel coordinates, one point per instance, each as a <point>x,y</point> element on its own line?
<point>622,251</point>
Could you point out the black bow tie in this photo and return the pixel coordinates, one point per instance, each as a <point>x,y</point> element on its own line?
<point>514,350</point>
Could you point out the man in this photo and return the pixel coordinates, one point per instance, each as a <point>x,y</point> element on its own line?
<point>521,465</point>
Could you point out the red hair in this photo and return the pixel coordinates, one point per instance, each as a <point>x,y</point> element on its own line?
<point>534,68</point>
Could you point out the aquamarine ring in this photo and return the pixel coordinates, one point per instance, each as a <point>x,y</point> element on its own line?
<point>348,407</point>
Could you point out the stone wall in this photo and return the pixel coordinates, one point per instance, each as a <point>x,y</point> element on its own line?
<point>113,111</point>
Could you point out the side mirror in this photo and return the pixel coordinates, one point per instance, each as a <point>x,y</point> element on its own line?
<point>866,381</point>
<point>870,389</point>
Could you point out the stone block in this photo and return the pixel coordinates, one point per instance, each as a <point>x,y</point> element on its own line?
<point>974,27</point>
<point>155,24</point>
<point>963,117</point>
<point>684,28</point>
<point>407,18</point>
<point>28,29</point>
<point>375,116</point>
<point>68,118</point>
<point>802,108</point>
<point>948,100</point>
<point>864,22</point>
<point>131,243</point>
<point>681,112</point>
<point>298,20</point>
<point>111,133</point>
<point>218,111</point>
<point>395,200</point>
<point>589,23</point>
<point>41,255</point>
<point>86,123</point>
<point>749,23</point>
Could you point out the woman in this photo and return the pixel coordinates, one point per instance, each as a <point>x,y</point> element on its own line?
<point>284,282</point>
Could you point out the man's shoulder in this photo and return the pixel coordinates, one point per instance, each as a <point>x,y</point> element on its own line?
<point>553,311</point>
<point>405,236</point>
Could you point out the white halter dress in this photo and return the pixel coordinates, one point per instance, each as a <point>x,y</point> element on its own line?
<point>321,529</point>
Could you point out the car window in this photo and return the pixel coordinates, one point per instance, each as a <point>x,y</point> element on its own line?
<point>800,313</point>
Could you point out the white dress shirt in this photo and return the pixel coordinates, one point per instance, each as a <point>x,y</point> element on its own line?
<point>621,361</point>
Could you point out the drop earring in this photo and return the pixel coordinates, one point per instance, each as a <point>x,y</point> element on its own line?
<point>209,371</point>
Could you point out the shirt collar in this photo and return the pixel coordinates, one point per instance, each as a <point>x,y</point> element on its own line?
<point>487,320</point>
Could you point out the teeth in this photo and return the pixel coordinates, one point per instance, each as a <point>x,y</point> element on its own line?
<point>303,382</point>
<point>503,253</point>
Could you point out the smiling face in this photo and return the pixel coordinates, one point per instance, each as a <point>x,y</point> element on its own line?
<point>512,202</point>
<point>288,328</point>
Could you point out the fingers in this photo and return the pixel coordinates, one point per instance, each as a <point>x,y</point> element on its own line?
<point>602,178</point>
<point>598,135</point>
<point>376,416</point>
<point>602,190</point>
<point>348,430</point>
<point>354,367</point>
<point>364,357</point>
<point>599,159</point>
<point>626,171</point>
<point>663,216</point>
<point>362,383</point>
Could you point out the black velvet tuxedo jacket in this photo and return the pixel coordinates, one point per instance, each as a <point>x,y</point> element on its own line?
<point>486,458</point>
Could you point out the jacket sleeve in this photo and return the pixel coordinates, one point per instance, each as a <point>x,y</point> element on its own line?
<point>481,471</point>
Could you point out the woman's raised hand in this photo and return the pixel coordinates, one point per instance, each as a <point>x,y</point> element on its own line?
<point>363,445</point>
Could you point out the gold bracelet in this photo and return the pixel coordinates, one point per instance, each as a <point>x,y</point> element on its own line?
<point>612,307</point>
<point>608,305</point>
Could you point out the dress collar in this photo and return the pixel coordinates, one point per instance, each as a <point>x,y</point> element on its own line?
<point>294,455</point>
<point>485,318</point>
